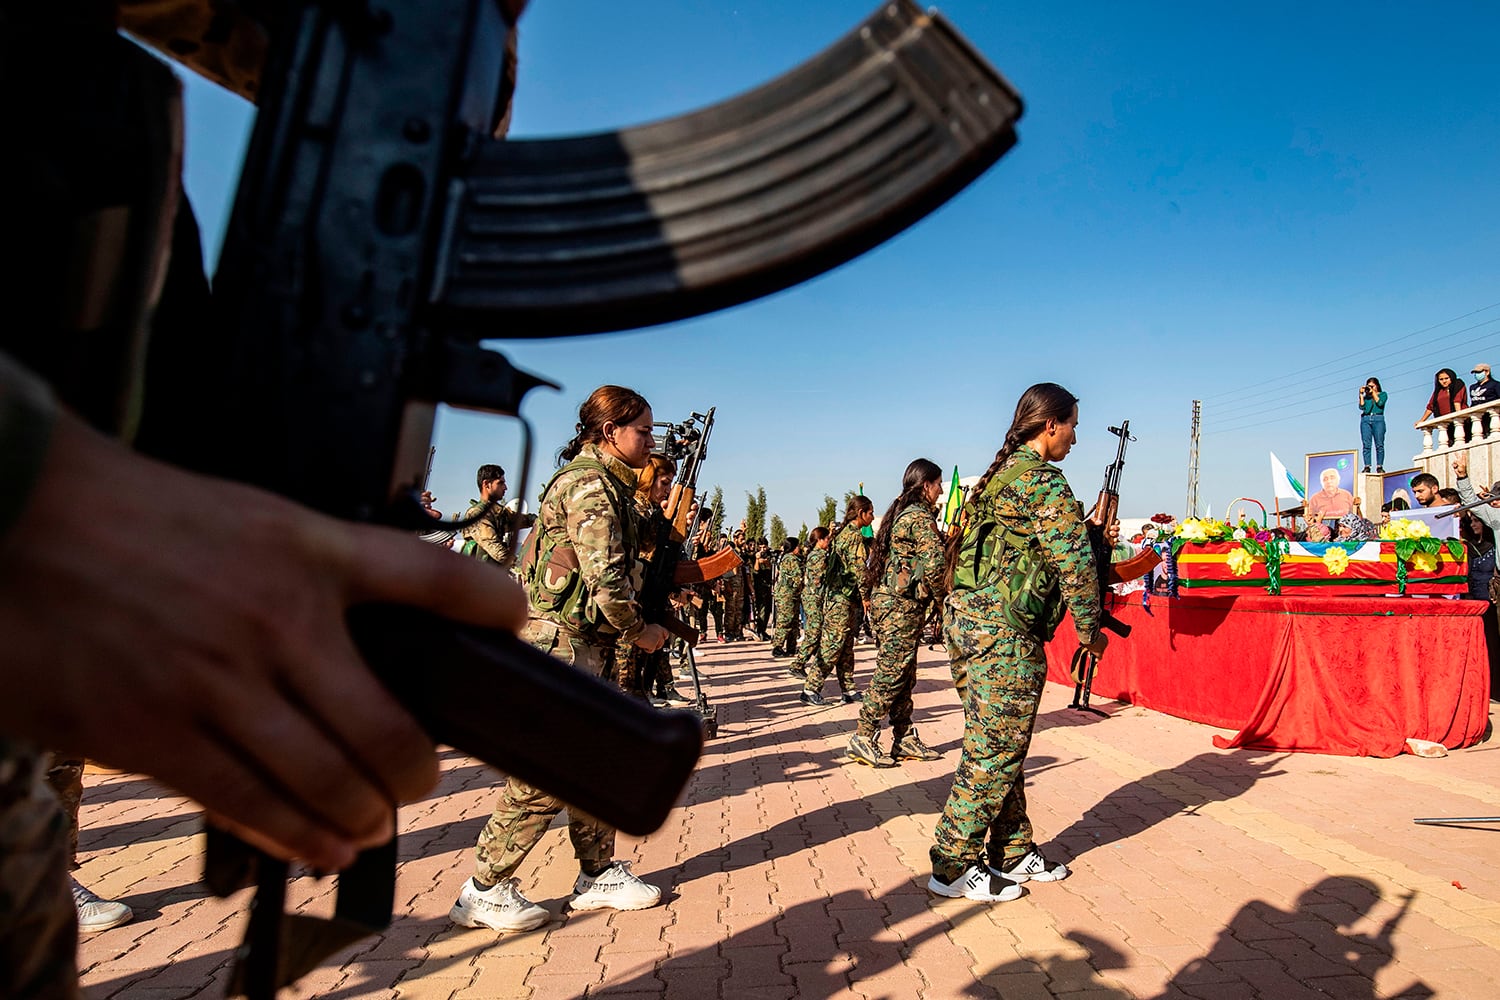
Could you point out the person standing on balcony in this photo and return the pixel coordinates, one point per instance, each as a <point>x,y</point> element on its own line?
<point>1448,395</point>
<point>1372,422</point>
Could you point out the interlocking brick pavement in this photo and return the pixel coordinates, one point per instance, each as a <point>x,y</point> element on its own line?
<point>789,871</point>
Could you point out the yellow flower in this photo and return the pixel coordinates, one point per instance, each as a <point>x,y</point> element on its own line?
<point>1192,531</point>
<point>1337,561</point>
<point>1401,527</point>
<point>1240,562</point>
<point>1423,562</point>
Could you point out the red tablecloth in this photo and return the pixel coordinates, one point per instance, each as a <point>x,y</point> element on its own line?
<point>1340,675</point>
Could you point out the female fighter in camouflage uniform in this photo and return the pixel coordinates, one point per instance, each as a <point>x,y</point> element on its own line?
<point>904,574</point>
<point>788,593</point>
<point>581,580</point>
<point>843,599</point>
<point>1002,667</point>
<point>812,600</point>
<point>638,672</point>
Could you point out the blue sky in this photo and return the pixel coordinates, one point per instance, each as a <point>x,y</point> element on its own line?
<point>1255,206</point>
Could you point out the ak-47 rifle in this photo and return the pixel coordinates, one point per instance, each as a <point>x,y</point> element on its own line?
<point>668,571</point>
<point>381,230</point>
<point>1105,513</point>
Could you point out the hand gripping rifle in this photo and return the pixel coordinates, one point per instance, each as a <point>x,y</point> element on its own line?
<point>381,230</point>
<point>668,570</point>
<point>1106,511</point>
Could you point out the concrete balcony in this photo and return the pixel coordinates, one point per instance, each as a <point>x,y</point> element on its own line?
<point>1472,433</point>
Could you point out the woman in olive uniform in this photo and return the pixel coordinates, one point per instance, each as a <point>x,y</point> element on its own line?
<point>581,578</point>
<point>812,601</point>
<point>995,642</point>
<point>844,597</point>
<point>905,573</point>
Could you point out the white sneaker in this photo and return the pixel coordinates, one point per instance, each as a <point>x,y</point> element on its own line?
<point>1033,868</point>
<point>95,914</point>
<point>978,882</point>
<point>500,907</point>
<point>617,888</point>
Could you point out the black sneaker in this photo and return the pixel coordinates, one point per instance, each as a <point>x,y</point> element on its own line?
<point>850,697</point>
<point>1365,469</point>
<point>813,698</point>
<point>1379,468</point>
<point>795,671</point>
<point>777,653</point>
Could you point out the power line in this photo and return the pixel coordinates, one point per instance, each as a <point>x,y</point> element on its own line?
<point>1375,347</point>
<point>1315,388</point>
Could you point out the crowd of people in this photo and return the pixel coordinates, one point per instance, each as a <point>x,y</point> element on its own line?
<point>583,570</point>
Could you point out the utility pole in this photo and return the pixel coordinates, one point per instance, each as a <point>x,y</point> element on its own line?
<point>1192,497</point>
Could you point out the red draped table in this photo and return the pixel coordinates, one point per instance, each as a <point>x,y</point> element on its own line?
<point>1340,675</point>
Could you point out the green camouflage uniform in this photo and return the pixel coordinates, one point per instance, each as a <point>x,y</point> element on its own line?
<point>898,607</point>
<point>843,603</point>
<point>812,606</point>
<point>1002,671</point>
<point>580,508</point>
<point>491,534</point>
<point>788,593</point>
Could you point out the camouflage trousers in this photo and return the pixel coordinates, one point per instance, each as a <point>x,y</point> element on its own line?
<point>788,623</point>
<point>898,626</point>
<point>1003,673</point>
<point>807,653</point>
<point>524,812</point>
<point>38,921</point>
<point>734,607</point>
<point>841,620</point>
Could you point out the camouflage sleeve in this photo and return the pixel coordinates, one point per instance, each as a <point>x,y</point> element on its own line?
<point>930,560</point>
<point>812,580</point>
<point>599,541</point>
<point>797,577</point>
<point>1065,540</point>
<point>485,533</point>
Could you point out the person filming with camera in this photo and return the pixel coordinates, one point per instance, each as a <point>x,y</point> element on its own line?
<point>1372,422</point>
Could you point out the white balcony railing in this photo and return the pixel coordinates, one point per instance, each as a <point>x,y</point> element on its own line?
<point>1474,430</point>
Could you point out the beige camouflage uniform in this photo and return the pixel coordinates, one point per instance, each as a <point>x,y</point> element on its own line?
<point>593,513</point>
<point>1002,671</point>
<point>491,534</point>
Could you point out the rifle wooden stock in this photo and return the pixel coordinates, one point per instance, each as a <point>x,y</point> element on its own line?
<point>681,629</point>
<point>1135,567</point>
<point>689,571</point>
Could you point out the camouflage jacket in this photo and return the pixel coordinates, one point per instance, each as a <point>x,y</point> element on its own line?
<point>789,578</point>
<point>914,568</point>
<point>491,533</point>
<point>844,576</point>
<point>580,510</point>
<point>812,577</point>
<point>1040,503</point>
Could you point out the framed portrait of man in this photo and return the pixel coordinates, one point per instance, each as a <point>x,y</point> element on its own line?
<point>1398,484</point>
<point>1330,483</point>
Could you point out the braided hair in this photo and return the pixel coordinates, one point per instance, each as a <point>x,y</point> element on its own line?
<point>1042,402</point>
<point>919,474</point>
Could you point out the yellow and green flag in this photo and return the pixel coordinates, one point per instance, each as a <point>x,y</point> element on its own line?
<point>955,501</point>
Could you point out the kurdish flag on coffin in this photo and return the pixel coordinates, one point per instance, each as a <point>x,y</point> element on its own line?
<point>1283,486</point>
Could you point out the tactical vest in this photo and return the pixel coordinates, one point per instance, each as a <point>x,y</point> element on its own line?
<point>549,566</point>
<point>1029,591</point>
